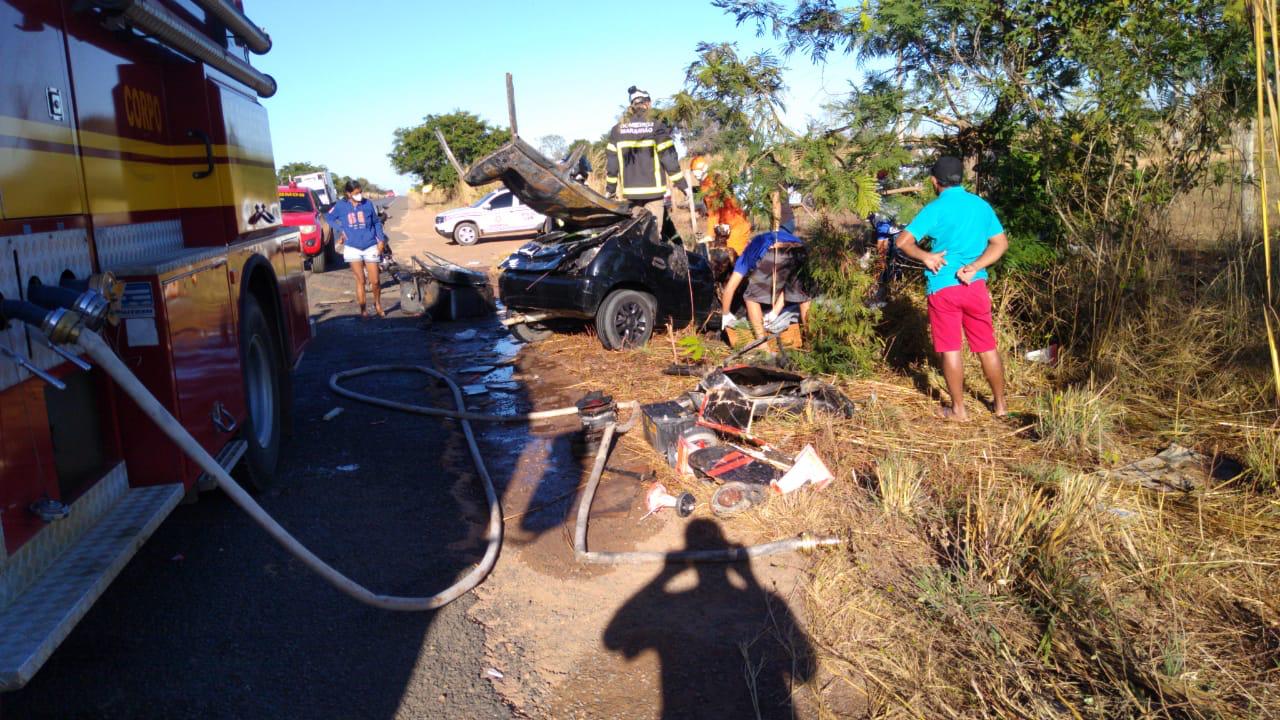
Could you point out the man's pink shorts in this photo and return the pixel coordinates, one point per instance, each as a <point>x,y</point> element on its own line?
<point>962,306</point>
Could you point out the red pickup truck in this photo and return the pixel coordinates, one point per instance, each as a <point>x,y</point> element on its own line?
<point>301,208</point>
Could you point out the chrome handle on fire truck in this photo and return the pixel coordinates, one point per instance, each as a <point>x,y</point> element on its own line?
<point>26,365</point>
<point>67,355</point>
<point>222,418</point>
<point>208,153</point>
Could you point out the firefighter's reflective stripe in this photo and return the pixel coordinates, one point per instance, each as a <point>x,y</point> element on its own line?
<point>611,179</point>
<point>658,185</point>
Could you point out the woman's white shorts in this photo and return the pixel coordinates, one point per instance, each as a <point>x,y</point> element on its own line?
<point>369,254</point>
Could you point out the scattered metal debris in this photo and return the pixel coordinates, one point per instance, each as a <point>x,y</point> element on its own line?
<point>659,498</point>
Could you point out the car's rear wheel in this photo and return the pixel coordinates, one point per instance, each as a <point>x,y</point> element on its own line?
<point>530,332</point>
<point>466,234</point>
<point>625,319</point>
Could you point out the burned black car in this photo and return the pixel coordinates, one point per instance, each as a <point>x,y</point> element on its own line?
<point>625,277</point>
<point>602,264</point>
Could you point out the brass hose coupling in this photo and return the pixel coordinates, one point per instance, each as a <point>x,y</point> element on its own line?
<point>62,326</point>
<point>91,305</point>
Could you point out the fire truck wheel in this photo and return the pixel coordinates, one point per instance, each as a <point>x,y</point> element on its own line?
<point>262,426</point>
<point>625,319</point>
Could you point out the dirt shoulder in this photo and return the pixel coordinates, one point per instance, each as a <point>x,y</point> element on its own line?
<point>567,640</point>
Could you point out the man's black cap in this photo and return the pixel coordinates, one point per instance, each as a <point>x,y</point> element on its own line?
<point>949,170</point>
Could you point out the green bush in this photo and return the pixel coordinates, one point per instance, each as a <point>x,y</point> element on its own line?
<point>842,337</point>
<point>1028,253</point>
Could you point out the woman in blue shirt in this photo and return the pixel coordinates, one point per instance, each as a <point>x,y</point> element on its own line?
<point>361,240</point>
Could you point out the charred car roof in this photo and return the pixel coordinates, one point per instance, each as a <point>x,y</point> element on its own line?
<point>546,186</point>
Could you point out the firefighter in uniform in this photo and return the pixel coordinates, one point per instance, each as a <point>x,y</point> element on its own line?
<point>641,157</point>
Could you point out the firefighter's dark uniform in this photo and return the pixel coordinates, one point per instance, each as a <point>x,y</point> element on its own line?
<point>642,155</point>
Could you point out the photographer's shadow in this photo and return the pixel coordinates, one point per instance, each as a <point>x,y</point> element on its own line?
<point>728,647</point>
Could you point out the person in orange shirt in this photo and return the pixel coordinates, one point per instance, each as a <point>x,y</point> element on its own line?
<point>723,210</point>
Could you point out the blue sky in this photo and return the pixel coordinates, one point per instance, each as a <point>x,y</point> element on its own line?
<point>351,72</point>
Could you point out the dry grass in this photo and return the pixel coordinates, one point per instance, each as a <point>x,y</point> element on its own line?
<point>1262,456</point>
<point>987,570</point>
<point>1076,421</point>
<point>987,574</point>
<point>899,478</point>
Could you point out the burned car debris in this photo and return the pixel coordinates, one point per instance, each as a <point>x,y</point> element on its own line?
<point>607,264</point>
<point>735,396</point>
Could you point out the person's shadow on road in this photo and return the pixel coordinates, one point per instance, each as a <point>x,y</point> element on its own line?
<point>728,647</point>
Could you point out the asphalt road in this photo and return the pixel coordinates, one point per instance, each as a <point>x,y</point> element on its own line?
<point>213,620</point>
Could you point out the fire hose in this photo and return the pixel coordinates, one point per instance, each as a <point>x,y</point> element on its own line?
<point>640,557</point>
<point>106,358</point>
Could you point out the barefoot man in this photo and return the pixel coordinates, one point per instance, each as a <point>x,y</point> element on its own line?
<point>967,238</point>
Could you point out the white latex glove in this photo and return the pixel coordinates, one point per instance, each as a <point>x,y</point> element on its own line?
<point>728,320</point>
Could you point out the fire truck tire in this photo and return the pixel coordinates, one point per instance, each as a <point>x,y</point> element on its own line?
<point>263,427</point>
<point>625,319</point>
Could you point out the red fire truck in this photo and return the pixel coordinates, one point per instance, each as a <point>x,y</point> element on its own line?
<point>137,190</point>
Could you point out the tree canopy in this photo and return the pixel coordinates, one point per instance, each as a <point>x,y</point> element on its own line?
<point>417,151</point>
<point>731,107</point>
<point>1070,112</point>
<point>553,146</point>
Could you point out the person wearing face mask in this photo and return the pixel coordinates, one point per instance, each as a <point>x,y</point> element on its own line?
<point>362,240</point>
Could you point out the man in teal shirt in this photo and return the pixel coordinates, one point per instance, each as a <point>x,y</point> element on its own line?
<point>967,238</point>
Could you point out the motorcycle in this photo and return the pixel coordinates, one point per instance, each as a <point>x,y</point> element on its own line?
<point>388,261</point>
<point>889,259</point>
